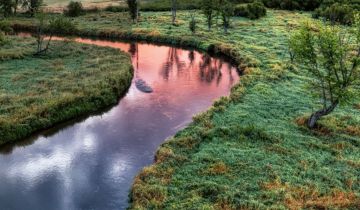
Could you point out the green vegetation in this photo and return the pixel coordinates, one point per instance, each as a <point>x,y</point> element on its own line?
<point>253,11</point>
<point>332,59</point>
<point>74,9</point>
<point>38,92</point>
<point>251,150</point>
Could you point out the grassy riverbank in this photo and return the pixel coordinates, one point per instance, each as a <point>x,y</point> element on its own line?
<point>249,150</point>
<point>69,81</point>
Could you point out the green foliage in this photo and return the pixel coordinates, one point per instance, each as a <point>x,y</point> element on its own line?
<point>32,6</point>
<point>208,8</point>
<point>6,7</point>
<point>337,13</point>
<point>74,9</point>
<point>133,9</point>
<point>5,27</point>
<point>293,4</point>
<point>61,25</point>
<point>192,23</point>
<point>253,11</point>
<point>3,39</point>
<point>329,56</point>
<point>226,10</point>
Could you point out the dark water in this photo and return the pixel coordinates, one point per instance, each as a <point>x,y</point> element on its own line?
<point>91,163</point>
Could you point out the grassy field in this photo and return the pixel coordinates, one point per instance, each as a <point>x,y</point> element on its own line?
<point>69,81</point>
<point>86,3</point>
<point>250,150</point>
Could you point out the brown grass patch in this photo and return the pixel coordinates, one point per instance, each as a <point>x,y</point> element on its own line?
<point>357,106</point>
<point>309,197</point>
<point>301,121</point>
<point>218,168</point>
<point>163,153</point>
<point>353,130</point>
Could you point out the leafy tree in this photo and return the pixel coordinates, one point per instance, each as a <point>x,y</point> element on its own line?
<point>192,24</point>
<point>32,6</point>
<point>57,25</point>
<point>6,7</point>
<point>332,57</point>
<point>133,9</point>
<point>74,9</point>
<point>226,12</point>
<point>208,8</point>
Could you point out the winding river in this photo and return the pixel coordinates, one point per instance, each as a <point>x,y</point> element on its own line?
<point>90,163</point>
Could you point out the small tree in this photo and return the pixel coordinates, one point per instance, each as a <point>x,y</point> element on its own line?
<point>331,56</point>
<point>133,9</point>
<point>6,7</point>
<point>192,24</point>
<point>173,11</point>
<point>208,8</point>
<point>226,12</point>
<point>32,6</point>
<point>74,9</point>
<point>58,25</point>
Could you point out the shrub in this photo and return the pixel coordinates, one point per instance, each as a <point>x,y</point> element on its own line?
<point>3,39</point>
<point>192,24</point>
<point>5,27</point>
<point>307,5</point>
<point>254,10</point>
<point>74,9</point>
<point>336,13</point>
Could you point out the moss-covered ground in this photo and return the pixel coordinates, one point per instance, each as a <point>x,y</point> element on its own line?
<point>250,150</point>
<point>72,79</point>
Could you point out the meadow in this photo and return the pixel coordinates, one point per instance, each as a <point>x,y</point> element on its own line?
<point>251,150</point>
<point>69,81</point>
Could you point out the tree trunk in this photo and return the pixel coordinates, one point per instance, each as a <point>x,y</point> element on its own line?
<point>173,11</point>
<point>321,113</point>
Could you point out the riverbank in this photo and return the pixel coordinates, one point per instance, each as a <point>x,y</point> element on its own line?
<point>69,81</point>
<point>249,150</point>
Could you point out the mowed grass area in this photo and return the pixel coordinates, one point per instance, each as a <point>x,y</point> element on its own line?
<point>86,3</point>
<point>250,150</point>
<point>69,81</point>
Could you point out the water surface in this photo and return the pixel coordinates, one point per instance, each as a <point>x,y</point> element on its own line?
<point>90,163</point>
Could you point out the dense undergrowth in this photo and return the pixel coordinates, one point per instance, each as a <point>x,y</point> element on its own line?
<point>249,150</point>
<point>69,81</point>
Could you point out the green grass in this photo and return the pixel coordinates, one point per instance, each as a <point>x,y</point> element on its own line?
<point>249,150</point>
<point>70,80</point>
<point>86,3</point>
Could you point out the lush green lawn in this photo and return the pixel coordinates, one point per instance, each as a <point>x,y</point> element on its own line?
<point>249,150</point>
<point>70,80</point>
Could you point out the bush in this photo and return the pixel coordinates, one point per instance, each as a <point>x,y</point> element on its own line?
<point>3,39</point>
<point>74,9</point>
<point>254,10</point>
<point>336,13</point>
<point>307,5</point>
<point>5,27</point>
<point>192,24</point>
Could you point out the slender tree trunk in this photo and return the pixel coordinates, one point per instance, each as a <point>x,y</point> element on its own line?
<point>321,113</point>
<point>173,11</point>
